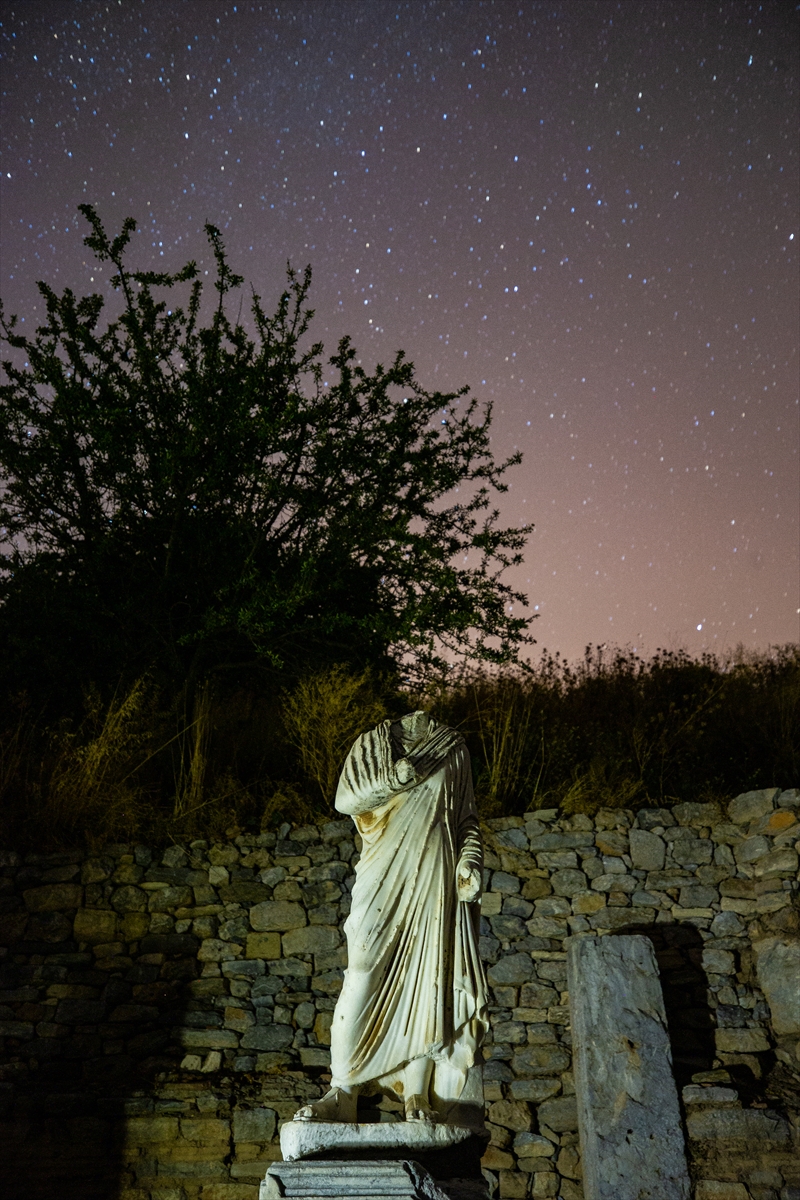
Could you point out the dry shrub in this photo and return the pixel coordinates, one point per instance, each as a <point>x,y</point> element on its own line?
<point>504,716</point>
<point>93,792</point>
<point>323,716</point>
<point>600,786</point>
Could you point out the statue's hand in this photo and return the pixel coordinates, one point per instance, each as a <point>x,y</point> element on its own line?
<point>404,770</point>
<point>468,882</point>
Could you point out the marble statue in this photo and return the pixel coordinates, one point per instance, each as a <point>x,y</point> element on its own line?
<point>412,1012</point>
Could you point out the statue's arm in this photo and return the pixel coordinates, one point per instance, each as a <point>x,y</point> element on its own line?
<point>469,875</point>
<point>369,777</point>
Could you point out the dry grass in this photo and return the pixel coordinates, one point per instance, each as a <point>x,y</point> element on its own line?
<point>323,716</point>
<point>93,791</point>
<point>611,733</point>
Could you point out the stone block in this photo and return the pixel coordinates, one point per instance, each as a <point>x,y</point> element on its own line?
<point>80,1012</point>
<point>511,1114</point>
<point>612,842</point>
<point>533,1145</point>
<point>561,841</point>
<point>697,896</point>
<point>129,899</point>
<point>495,1159</point>
<point>587,902</point>
<point>277,915</point>
<point>748,1125</point>
<point>53,897</point>
<point>749,806</point>
<point>545,1060</point>
<point>94,925</point>
<point>133,926</point>
<point>311,939</point>
<point>533,888</point>
<point>694,1093</point>
<point>505,884</point>
<point>614,882</point>
<point>263,945</point>
<point>630,1127</point>
<point>174,945</point>
<point>778,970</point>
<point>691,851</point>
<point>140,1131</point>
<point>647,850</point>
<point>215,950</point>
<point>208,1130</point>
<point>557,859</point>
<point>751,849</point>
<point>229,1191</point>
<point>696,814</point>
<point>491,904</point>
<point>713,1189</point>
<point>568,882</point>
<point>513,969</point>
<point>778,862</point>
<point>163,899</point>
<point>268,1037</point>
<point>547,927</point>
<point>651,818</point>
<point>315,1056</point>
<point>208,1039</point>
<point>741,1041</point>
<point>559,1114</point>
<point>545,1183</point>
<point>534,1090</point>
<point>719,962</point>
<point>621,918</point>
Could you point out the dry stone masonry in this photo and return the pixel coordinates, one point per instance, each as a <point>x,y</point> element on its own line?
<point>163,1013</point>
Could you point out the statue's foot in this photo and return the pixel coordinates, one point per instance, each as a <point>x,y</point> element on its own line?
<point>335,1105</point>
<point>418,1109</point>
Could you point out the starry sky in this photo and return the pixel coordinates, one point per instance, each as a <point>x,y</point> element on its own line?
<point>587,211</point>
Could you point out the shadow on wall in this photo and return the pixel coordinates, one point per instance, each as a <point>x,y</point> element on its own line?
<point>691,1020</point>
<point>91,1034</point>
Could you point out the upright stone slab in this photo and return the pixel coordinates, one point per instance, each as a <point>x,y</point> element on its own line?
<point>632,1144</point>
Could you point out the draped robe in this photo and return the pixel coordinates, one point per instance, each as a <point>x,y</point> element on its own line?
<point>415,985</point>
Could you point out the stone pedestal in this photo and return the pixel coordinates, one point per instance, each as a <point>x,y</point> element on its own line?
<point>346,1180</point>
<point>632,1144</point>
<point>377,1160</point>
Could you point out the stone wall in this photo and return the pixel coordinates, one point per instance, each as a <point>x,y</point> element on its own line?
<point>162,1013</point>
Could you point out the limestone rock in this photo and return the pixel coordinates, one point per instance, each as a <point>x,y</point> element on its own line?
<point>751,805</point>
<point>630,1129</point>
<point>647,850</point>
<point>53,897</point>
<point>95,925</point>
<point>778,968</point>
<point>739,1124</point>
<point>278,915</point>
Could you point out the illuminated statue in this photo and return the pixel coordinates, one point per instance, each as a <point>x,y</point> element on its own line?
<point>412,1012</point>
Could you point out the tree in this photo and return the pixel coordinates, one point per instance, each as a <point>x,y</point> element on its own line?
<point>184,497</point>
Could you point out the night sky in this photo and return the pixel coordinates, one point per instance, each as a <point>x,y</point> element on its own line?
<point>588,212</point>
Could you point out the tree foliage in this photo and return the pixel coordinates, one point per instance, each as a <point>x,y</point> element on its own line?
<point>183,492</point>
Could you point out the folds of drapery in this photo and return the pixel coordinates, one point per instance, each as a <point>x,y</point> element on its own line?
<point>414,985</point>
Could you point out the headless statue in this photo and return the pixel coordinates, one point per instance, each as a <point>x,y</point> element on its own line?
<point>412,1012</point>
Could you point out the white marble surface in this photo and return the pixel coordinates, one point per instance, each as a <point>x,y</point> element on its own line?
<point>302,1139</point>
<point>412,1012</point>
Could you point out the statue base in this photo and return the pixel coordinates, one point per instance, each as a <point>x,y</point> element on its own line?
<point>407,1159</point>
<point>338,1179</point>
<point>375,1139</point>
